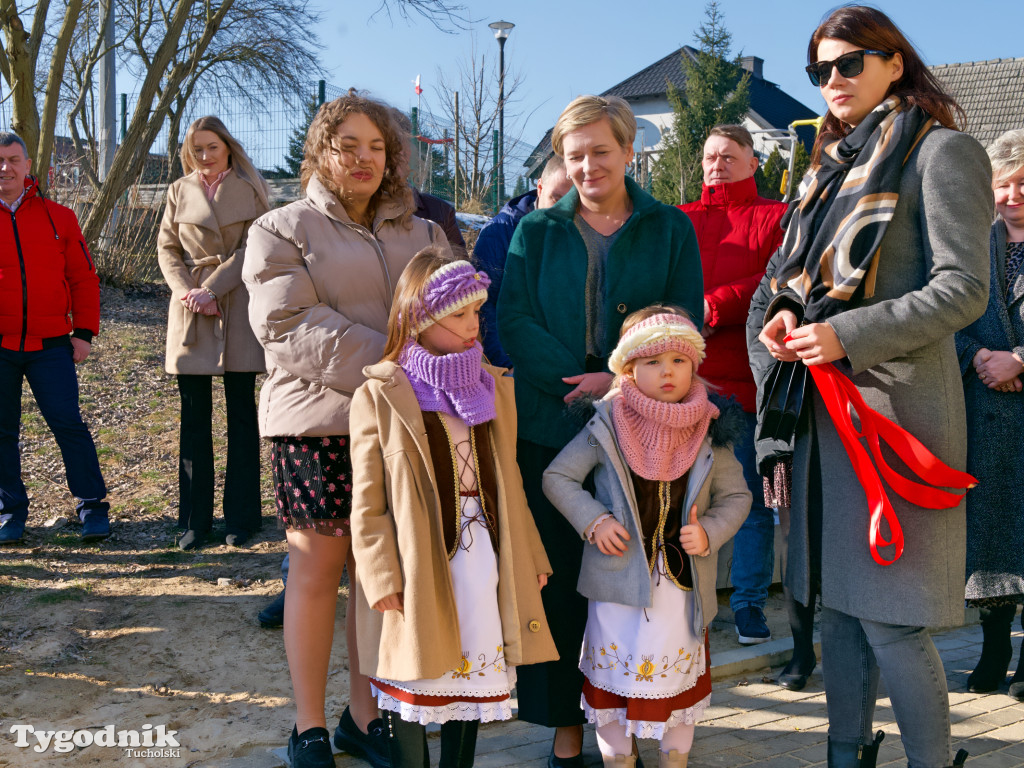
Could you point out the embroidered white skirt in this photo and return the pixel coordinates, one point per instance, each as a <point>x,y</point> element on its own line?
<point>479,688</point>
<point>638,654</point>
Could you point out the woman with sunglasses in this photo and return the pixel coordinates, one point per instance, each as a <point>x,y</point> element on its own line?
<point>884,260</point>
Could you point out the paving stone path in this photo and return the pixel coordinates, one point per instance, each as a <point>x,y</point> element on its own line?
<point>753,722</point>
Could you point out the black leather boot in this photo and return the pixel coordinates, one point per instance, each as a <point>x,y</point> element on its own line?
<point>407,742</point>
<point>1017,684</point>
<point>960,759</point>
<point>842,754</point>
<point>458,743</point>
<point>801,623</point>
<point>996,650</point>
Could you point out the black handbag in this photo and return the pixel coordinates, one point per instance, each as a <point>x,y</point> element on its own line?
<point>782,401</point>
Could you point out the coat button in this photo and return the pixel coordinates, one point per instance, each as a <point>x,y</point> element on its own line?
<point>535,626</point>
<point>622,309</point>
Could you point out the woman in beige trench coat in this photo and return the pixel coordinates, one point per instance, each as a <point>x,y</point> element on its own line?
<point>200,249</point>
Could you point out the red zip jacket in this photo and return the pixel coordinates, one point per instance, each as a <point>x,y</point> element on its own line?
<point>737,232</point>
<point>48,282</point>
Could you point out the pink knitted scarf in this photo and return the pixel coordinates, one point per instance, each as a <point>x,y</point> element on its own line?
<point>660,440</point>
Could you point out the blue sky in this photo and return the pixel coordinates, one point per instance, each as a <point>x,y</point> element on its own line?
<point>564,48</point>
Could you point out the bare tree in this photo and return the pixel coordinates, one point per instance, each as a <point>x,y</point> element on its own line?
<point>476,80</point>
<point>173,47</point>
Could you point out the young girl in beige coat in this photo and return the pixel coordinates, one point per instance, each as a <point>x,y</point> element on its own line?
<point>668,493</point>
<point>449,562</point>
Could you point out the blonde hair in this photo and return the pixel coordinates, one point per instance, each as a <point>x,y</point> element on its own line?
<point>238,160</point>
<point>322,132</point>
<point>1007,154</point>
<point>585,110</point>
<point>408,298</point>
<point>638,317</point>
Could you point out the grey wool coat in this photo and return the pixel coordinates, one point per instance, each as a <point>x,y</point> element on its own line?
<point>932,280</point>
<point>715,485</point>
<point>995,440</point>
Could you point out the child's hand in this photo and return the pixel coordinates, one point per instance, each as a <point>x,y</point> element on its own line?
<point>611,537</point>
<point>390,603</point>
<point>693,537</point>
<point>542,580</point>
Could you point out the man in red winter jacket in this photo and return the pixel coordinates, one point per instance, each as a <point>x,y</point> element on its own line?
<point>49,312</point>
<point>737,232</point>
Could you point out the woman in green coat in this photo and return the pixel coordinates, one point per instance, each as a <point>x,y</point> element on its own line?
<point>574,271</point>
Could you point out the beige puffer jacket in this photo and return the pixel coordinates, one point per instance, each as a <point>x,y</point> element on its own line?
<point>320,289</point>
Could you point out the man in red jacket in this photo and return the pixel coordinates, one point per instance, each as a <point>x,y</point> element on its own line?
<point>737,232</point>
<point>49,312</point>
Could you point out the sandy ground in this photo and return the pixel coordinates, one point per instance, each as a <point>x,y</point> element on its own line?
<point>132,631</point>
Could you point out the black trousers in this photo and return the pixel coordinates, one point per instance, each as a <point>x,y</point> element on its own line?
<point>549,693</point>
<point>242,511</point>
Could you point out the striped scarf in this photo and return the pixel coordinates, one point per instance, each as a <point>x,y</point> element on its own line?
<point>835,230</point>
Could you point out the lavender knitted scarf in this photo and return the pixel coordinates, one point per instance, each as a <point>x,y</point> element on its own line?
<point>454,384</point>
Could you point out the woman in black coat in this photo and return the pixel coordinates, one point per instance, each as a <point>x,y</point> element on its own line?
<point>991,352</point>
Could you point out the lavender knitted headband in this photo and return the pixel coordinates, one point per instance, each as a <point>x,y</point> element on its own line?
<point>655,335</point>
<point>449,289</point>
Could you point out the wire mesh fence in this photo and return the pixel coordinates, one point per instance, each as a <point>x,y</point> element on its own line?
<point>266,124</point>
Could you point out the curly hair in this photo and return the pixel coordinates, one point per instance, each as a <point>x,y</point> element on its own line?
<point>322,131</point>
<point>1006,154</point>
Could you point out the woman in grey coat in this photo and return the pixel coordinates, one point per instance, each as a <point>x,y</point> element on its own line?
<point>884,263</point>
<point>991,352</point>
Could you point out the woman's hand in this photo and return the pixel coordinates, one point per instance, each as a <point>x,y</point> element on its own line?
<point>693,537</point>
<point>390,603</point>
<point>597,384</point>
<point>542,580</point>
<point>816,344</point>
<point>200,301</point>
<point>774,333</point>
<point>998,369</point>
<point>611,537</point>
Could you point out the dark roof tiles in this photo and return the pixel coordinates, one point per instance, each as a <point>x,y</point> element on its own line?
<point>990,92</point>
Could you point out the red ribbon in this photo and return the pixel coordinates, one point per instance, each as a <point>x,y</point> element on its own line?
<point>842,399</point>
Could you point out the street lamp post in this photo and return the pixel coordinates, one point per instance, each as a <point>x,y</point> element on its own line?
<point>501,33</point>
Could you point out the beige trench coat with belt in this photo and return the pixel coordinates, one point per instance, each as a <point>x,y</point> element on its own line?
<point>202,245</point>
<point>399,547</point>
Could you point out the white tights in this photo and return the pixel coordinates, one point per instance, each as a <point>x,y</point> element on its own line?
<point>612,739</point>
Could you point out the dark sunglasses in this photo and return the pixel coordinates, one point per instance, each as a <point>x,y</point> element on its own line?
<point>848,65</point>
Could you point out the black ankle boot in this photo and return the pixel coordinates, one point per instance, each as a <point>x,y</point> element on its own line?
<point>1017,684</point>
<point>407,742</point>
<point>960,759</point>
<point>801,622</point>
<point>458,743</point>
<point>843,754</point>
<point>996,650</point>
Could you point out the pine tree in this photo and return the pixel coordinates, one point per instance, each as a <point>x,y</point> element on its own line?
<point>769,175</point>
<point>717,91</point>
<point>296,145</point>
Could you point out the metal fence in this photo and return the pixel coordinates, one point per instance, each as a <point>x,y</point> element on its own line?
<point>262,121</point>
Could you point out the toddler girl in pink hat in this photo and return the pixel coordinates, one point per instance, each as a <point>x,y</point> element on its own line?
<point>668,493</point>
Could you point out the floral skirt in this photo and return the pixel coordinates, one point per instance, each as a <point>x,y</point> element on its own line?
<point>479,688</point>
<point>644,667</point>
<point>313,483</point>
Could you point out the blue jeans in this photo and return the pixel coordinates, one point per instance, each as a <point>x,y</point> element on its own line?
<point>753,547</point>
<point>853,654</point>
<point>54,383</point>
